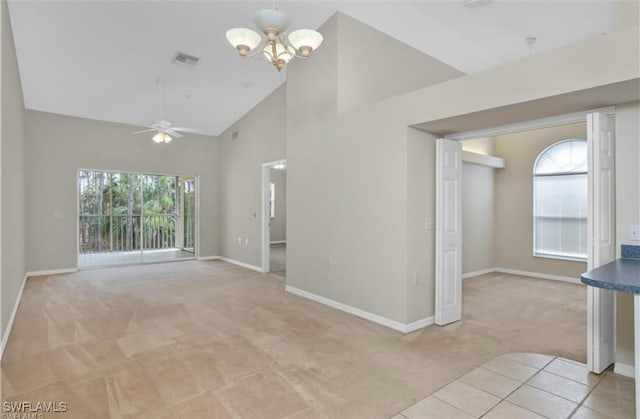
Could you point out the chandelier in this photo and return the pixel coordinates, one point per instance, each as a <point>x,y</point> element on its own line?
<point>277,48</point>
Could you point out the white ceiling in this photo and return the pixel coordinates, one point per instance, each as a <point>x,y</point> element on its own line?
<point>101,59</point>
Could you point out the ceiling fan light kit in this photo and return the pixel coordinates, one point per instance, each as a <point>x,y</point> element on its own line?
<point>277,48</point>
<point>162,137</point>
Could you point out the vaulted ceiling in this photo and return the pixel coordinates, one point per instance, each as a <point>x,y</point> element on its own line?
<point>101,59</point>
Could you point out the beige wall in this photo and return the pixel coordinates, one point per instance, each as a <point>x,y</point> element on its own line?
<point>278,227</point>
<point>348,183</point>
<point>478,212</point>
<point>420,229</point>
<point>549,81</point>
<point>514,200</point>
<point>627,128</point>
<point>13,166</point>
<point>365,77</point>
<point>57,146</point>
<point>348,240</point>
<point>261,138</point>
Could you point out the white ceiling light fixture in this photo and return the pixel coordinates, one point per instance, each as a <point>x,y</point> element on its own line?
<point>162,137</point>
<point>277,48</point>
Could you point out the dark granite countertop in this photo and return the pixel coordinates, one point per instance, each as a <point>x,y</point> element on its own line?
<point>620,275</point>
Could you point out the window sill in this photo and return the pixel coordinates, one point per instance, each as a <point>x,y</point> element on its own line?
<point>560,257</point>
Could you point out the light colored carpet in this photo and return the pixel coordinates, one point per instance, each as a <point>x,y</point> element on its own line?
<point>208,339</point>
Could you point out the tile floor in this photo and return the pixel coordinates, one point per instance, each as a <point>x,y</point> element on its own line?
<point>528,385</point>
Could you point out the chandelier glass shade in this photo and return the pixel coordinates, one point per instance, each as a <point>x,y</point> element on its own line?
<point>277,48</point>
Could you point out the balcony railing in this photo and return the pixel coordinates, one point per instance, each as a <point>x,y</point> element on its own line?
<point>117,233</point>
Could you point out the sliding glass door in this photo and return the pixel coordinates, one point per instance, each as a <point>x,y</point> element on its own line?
<point>130,218</point>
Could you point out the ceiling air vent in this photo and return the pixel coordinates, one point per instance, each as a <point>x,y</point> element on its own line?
<point>474,4</point>
<point>184,59</point>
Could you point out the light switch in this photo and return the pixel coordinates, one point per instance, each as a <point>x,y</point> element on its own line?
<point>634,232</point>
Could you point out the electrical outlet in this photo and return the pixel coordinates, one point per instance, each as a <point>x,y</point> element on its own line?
<point>239,240</point>
<point>634,232</point>
<point>246,241</point>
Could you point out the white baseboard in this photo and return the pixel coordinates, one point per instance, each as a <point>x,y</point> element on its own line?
<point>624,369</point>
<point>12,318</point>
<point>52,272</point>
<point>278,242</point>
<point>237,262</point>
<point>208,257</point>
<point>419,324</point>
<point>539,275</point>
<point>478,273</point>
<point>392,324</point>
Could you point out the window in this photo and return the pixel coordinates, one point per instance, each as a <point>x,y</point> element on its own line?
<point>272,200</point>
<point>560,201</point>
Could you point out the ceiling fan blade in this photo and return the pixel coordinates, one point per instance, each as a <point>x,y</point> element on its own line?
<point>173,133</point>
<point>161,125</point>
<point>188,130</point>
<point>143,131</point>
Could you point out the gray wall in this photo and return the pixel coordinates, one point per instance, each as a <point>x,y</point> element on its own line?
<point>514,200</point>
<point>278,227</point>
<point>12,151</point>
<point>57,146</point>
<point>261,139</point>
<point>627,129</point>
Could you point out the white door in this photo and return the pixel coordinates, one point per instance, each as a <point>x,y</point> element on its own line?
<point>448,231</point>
<point>601,245</point>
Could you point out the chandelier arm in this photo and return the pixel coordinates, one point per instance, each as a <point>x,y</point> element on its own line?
<point>296,55</point>
<point>257,50</point>
<point>288,47</point>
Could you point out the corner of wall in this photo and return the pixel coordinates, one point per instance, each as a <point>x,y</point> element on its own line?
<point>12,174</point>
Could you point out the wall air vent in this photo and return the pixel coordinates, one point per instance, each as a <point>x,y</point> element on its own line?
<point>185,60</point>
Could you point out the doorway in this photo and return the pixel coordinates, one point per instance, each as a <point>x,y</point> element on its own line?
<point>599,187</point>
<point>129,218</point>
<point>274,217</point>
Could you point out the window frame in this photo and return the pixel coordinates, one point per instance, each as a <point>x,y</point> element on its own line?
<point>548,255</point>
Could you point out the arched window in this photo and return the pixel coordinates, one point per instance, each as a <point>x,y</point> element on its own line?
<point>560,201</point>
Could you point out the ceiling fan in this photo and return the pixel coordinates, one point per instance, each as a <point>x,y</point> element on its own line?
<point>165,131</point>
